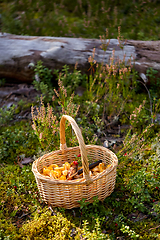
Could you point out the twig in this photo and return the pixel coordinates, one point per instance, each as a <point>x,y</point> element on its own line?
<point>19,162</point>
<point>154,228</point>
<point>149,99</point>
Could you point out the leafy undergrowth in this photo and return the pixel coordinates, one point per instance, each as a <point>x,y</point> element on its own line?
<point>131,211</point>
<point>16,140</point>
<point>87,18</point>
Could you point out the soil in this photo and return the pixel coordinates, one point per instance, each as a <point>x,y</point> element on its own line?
<point>18,94</point>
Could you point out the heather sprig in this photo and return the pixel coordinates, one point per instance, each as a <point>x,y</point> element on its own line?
<point>45,125</point>
<point>68,107</point>
<point>139,117</point>
<point>135,145</point>
<point>46,119</point>
<point>110,86</point>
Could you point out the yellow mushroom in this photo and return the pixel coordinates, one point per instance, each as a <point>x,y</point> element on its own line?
<point>95,169</point>
<point>52,174</point>
<point>65,172</point>
<point>101,167</point>
<point>59,168</point>
<point>53,165</point>
<point>62,177</point>
<point>108,166</point>
<point>58,173</point>
<point>46,171</point>
<point>66,165</point>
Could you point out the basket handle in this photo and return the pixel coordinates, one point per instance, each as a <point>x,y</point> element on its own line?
<point>82,147</point>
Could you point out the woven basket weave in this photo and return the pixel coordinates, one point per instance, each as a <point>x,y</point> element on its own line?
<point>67,193</point>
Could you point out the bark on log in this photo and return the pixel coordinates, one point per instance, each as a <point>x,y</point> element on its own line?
<point>17,52</point>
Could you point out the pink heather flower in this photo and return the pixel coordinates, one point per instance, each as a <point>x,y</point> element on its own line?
<point>33,126</point>
<point>40,136</point>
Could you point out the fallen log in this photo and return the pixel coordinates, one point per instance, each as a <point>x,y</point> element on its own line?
<point>19,53</point>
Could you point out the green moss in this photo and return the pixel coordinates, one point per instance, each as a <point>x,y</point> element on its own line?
<point>18,139</point>
<point>45,226</point>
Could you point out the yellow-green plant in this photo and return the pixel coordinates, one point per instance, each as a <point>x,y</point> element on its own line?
<point>45,125</point>
<point>46,119</point>
<point>111,87</point>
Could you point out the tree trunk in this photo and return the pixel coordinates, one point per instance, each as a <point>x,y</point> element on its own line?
<point>19,53</point>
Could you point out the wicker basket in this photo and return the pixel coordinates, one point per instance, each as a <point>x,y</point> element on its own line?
<point>67,193</point>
